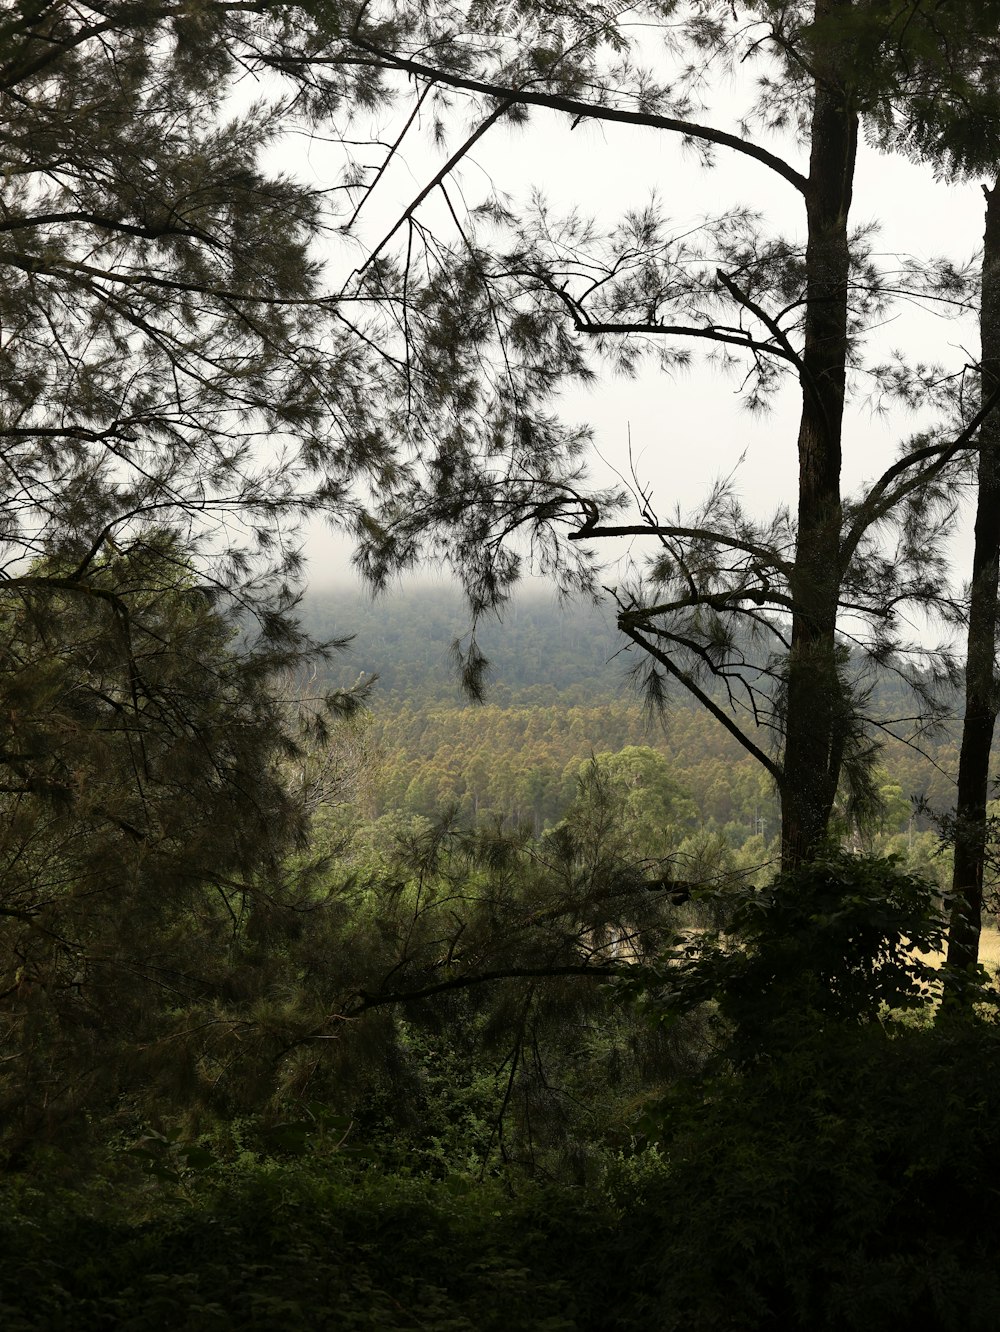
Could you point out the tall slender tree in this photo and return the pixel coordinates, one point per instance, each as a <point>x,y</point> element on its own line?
<point>981,701</point>
<point>952,86</point>
<point>824,68</point>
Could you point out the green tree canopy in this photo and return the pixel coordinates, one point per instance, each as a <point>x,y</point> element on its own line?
<point>636,793</point>
<point>144,830</point>
<point>181,339</point>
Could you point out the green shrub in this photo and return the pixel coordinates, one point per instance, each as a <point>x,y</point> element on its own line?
<point>847,1184</point>
<point>837,942</point>
<point>288,1248</point>
<point>834,1170</point>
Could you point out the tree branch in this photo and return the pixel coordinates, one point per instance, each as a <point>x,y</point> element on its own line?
<point>708,703</point>
<point>581,110</point>
<point>594,529</point>
<point>875,506</point>
<point>365,1001</point>
<point>438,178</point>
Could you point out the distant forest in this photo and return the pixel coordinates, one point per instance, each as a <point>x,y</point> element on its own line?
<point>540,651</point>
<point>560,692</point>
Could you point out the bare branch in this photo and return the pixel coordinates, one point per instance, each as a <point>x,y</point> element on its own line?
<point>583,110</point>
<point>705,700</point>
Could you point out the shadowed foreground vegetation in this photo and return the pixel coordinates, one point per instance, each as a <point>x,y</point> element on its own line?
<point>315,1055</point>
<point>786,1138</point>
<point>498,1020</point>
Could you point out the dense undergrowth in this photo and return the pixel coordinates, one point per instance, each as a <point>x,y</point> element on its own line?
<point>846,1187</point>
<point>283,1247</point>
<point>827,1162</point>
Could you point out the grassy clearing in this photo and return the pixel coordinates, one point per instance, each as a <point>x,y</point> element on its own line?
<point>989,950</point>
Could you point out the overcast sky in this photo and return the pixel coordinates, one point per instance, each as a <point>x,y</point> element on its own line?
<point>687,430</point>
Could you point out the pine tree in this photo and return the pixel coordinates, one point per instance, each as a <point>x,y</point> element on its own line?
<point>825,69</point>
<point>953,90</point>
<point>145,828</point>
<point>176,345</point>
<point>182,380</point>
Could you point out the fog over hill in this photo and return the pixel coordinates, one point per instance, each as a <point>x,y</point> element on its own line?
<point>406,638</point>
<point>540,651</point>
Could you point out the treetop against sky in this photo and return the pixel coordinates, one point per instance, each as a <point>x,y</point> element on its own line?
<point>685,429</point>
<point>199,337</point>
<point>173,349</point>
<point>340,103</point>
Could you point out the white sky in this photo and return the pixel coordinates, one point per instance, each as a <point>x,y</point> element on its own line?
<point>688,430</point>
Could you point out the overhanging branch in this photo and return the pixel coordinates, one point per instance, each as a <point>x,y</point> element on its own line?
<point>705,700</point>
<point>592,528</point>
<point>364,1001</point>
<point>879,502</point>
<point>579,109</point>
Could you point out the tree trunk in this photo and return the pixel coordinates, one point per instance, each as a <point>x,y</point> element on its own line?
<point>814,717</point>
<point>980,675</point>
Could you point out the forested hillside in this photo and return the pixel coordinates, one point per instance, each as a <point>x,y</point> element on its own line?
<point>331,1000</point>
<point>560,691</point>
<point>540,650</point>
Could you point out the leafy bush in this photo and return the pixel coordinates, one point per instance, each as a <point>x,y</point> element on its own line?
<point>846,1184</point>
<point>288,1249</point>
<point>837,942</point>
<point>833,1170</point>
